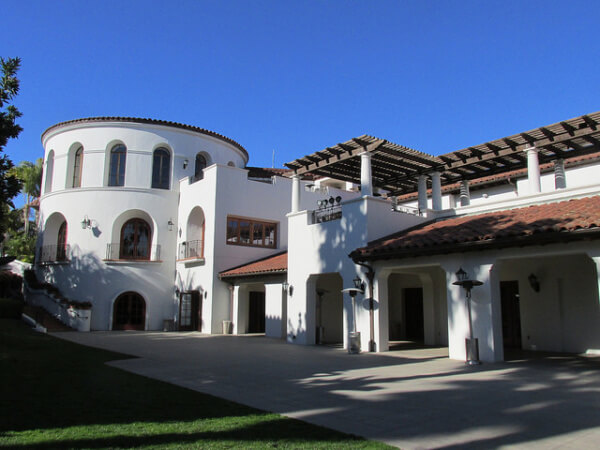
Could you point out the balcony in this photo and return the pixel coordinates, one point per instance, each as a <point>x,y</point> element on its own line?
<point>118,251</point>
<point>57,254</point>
<point>191,250</point>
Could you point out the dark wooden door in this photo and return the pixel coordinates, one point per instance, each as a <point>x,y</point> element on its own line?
<point>129,312</point>
<point>413,313</point>
<point>190,311</point>
<point>511,314</point>
<point>256,315</point>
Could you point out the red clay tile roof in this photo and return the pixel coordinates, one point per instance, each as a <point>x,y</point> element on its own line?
<point>149,121</point>
<point>265,172</point>
<point>551,222</point>
<point>266,266</point>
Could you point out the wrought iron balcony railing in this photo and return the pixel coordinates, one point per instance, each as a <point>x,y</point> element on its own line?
<point>118,251</point>
<point>191,249</point>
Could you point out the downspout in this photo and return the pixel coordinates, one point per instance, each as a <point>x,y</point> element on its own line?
<point>370,277</point>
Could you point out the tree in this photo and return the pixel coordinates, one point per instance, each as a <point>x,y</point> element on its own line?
<point>9,129</point>
<point>30,175</point>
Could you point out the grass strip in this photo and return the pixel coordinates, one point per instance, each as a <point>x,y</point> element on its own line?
<point>57,394</point>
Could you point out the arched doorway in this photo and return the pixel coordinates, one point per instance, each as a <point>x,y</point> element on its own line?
<point>129,312</point>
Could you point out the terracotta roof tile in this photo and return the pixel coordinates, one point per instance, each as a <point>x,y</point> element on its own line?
<point>551,222</point>
<point>269,265</point>
<point>148,121</point>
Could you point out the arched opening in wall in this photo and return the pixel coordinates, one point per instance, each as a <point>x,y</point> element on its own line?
<point>129,312</point>
<point>49,172</point>
<point>417,313</point>
<point>329,309</point>
<point>193,246</point>
<point>54,240</point>
<point>548,304</point>
<point>161,169</point>
<point>133,236</point>
<point>200,165</point>
<point>136,236</point>
<point>116,169</point>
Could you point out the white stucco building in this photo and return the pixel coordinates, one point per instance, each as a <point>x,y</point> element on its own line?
<point>158,223</point>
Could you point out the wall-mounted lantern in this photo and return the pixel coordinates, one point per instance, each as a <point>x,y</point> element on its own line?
<point>86,223</point>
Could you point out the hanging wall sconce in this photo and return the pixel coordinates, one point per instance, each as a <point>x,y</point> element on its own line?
<point>86,223</point>
<point>170,224</point>
<point>185,163</point>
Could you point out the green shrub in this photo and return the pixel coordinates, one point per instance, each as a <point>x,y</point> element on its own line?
<point>10,308</point>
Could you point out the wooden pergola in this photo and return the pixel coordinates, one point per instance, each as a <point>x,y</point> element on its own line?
<point>396,169</point>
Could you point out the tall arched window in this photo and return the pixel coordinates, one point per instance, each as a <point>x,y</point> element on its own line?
<point>49,172</point>
<point>61,242</point>
<point>200,166</point>
<point>161,168</point>
<point>136,236</point>
<point>116,172</point>
<point>77,164</point>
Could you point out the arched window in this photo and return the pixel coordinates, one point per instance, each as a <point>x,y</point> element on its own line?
<point>49,172</point>
<point>161,168</point>
<point>77,165</point>
<point>61,242</point>
<point>116,172</point>
<point>136,236</point>
<point>200,166</point>
<point>129,312</point>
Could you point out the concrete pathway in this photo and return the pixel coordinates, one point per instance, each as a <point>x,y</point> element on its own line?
<point>410,399</point>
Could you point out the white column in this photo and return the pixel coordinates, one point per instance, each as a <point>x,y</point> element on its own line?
<point>560,181</point>
<point>422,193</point>
<point>465,195</point>
<point>295,193</point>
<point>366,180</point>
<point>436,191</point>
<point>485,309</point>
<point>533,170</point>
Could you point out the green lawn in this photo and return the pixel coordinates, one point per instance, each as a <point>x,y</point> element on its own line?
<point>56,394</point>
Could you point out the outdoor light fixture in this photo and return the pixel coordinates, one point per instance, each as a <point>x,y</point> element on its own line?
<point>329,202</point>
<point>185,163</point>
<point>359,284</point>
<point>471,343</point>
<point>285,285</point>
<point>86,223</point>
<point>354,336</point>
<point>170,224</point>
<point>534,282</point>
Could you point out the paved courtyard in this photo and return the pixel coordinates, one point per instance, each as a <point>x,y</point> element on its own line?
<point>411,399</point>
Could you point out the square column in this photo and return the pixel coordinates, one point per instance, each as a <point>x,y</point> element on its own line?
<point>485,310</point>
<point>422,193</point>
<point>295,193</point>
<point>533,170</point>
<point>436,191</point>
<point>366,179</point>
<point>560,180</point>
<point>465,195</point>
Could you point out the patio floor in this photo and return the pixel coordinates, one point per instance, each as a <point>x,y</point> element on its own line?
<point>415,398</point>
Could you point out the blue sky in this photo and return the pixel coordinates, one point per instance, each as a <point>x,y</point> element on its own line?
<point>298,76</point>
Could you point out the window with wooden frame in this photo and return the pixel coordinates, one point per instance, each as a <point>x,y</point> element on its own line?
<point>251,232</point>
